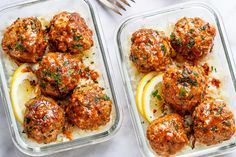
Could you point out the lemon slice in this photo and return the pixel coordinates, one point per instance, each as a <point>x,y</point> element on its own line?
<point>22,90</point>
<point>140,88</point>
<point>152,99</point>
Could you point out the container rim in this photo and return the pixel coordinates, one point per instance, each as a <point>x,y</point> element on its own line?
<point>76,143</point>
<point>129,96</point>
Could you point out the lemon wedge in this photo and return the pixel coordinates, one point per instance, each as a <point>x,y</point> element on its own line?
<point>152,99</point>
<point>140,89</point>
<point>22,90</point>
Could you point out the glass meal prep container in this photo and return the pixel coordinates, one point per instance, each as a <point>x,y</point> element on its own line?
<point>221,58</point>
<point>47,9</point>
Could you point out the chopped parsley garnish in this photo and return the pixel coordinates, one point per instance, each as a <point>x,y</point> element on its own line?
<point>105,97</point>
<point>71,71</point>
<point>78,46</point>
<point>19,46</point>
<point>193,82</point>
<point>43,85</point>
<point>203,28</point>
<point>172,36</point>
<point>182,92</point>
<point>191,43</point>
<point>177,42</point>
<point>56,77</point>
<point>163,48</point>
<point>213,69</point>
<point>27,120</point>
<point>214,128</point>
<point>191,31</point>
<point>77,38</point>
<point>133,58</point>
<point>156,95</point>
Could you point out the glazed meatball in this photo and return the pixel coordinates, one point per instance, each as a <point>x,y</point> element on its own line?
<point>24,40</point>
<point>58,74</point>
<point>183,88</point>
<point>167,135</point>
<point>90,107</point>
<point>68,32</point>
<point>192,37</point>
<point>43,120</point>
<point>213,122</point>
<point>150,50</point>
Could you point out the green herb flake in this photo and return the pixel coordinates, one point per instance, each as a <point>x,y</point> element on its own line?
<point>106,98</point>
<point>182,92</point>
<point>156,95</point>
<point>172,36</point>
<point>71,71</point>
<point>163,48</point>
<point>214,128</point>
<point>27,120</point>
<point>43,85</point>
<point>19,46</point>
<point>191,43</point>
<point>133,58</point>
<point>45,118</point>
<point>191,31</point>
<point>203,28</point>
<point>78,46</point>
<point>77,38</point>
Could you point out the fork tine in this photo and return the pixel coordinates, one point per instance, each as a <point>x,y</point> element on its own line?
<point>133,1</point>
<point>110,5</point>
<point>120,6</point>
<point>125,2</point>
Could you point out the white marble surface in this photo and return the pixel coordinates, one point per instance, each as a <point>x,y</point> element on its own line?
<point>124,144</point>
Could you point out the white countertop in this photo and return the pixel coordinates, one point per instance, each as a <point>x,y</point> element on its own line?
<point>124,144</point>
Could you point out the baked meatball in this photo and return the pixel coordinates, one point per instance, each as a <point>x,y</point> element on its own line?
<point>192,37</point>
<point>213,122</point>
<point>68,32</point>
<point>150,50</point>
<point>58,74</point>
<point>43,120</point>
<point>24,40</point>
<point>167,135</point>
<point>90,107</point>
<point>183,88</point>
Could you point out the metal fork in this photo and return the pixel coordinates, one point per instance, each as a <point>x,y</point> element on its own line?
<point>115,5</point>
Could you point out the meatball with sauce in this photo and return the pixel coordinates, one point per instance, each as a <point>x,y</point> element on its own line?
<point>150,50</point>
<point>43,119</point>
<point>213,122</point>
<point>183,88</point>
<point>68,32</point>
<point>59,74</point>
<point>167,135</point>
<point>24,40</point>
<point>90,107</point>
<point>192,37</point>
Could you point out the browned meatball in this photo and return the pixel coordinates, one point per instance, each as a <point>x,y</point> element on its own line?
<point>192,37</point>
<point>43,120</point>
<point>58,74</point>
<point>90,107</point>
<point>213,122</point>
<point>150,50</point>
<point>183,88</point>
<point>68,32</point>
<point>24,40</point>
<point>167,135</point>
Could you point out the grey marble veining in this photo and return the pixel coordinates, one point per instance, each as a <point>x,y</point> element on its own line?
<point>124,144</point>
